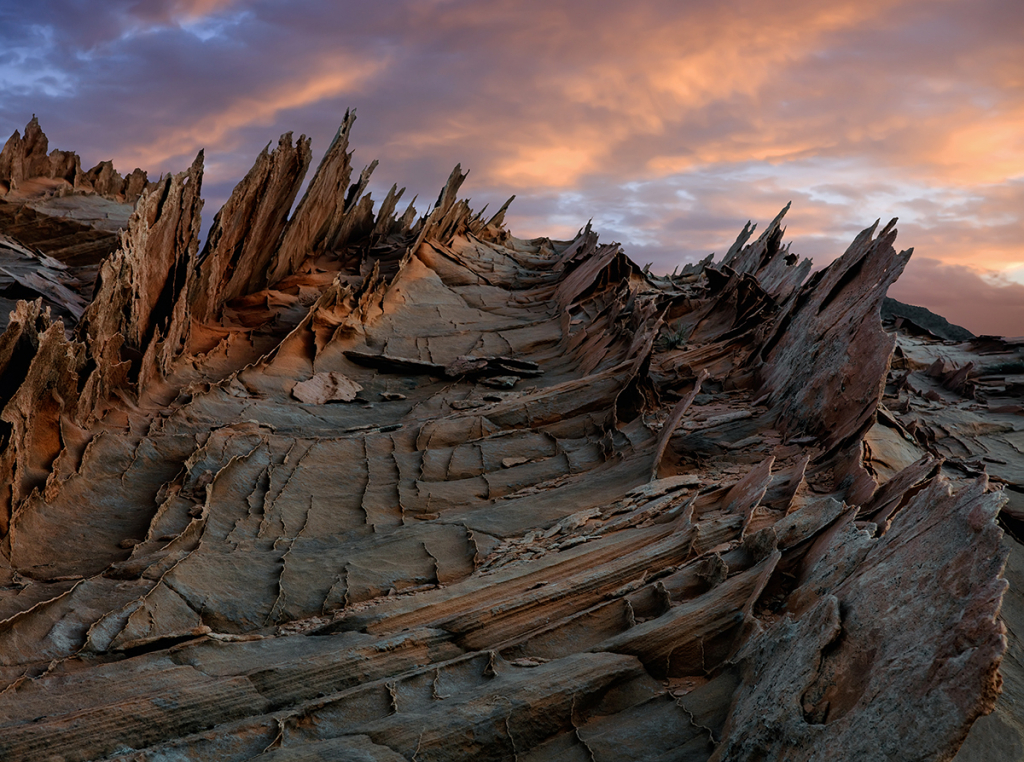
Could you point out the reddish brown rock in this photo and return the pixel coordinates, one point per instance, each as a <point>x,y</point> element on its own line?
<point>24,163</point>
<point>247,230</point>
<point>139,319</point>
<point>569,509</point>
<point>826,361</point>
<point>26,158</point>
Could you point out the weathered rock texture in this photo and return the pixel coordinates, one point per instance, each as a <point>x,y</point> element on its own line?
<point>354,485</point>
<point>25,166</point>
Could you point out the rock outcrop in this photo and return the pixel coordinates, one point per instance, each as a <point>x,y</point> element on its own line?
<point>922,322</point>
<point>351,484</point>
<point>24,159</point>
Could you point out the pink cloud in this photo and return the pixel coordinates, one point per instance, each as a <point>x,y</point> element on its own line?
<point>669,123</point>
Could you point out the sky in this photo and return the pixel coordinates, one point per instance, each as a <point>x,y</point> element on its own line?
<point>668,123</point>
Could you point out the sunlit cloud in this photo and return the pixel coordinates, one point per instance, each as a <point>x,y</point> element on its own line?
<point>207,28</point>
<point>669,124</point>
<point>343,75</point>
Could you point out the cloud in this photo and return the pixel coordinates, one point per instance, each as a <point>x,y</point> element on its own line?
<point>164,11</point>
<point>221,127</point>
<point>669,123</point>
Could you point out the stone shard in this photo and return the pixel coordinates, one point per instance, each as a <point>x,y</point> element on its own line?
<point>41,405</point>
<point>247,230</point>
<point>569,509</point>
<point>326,387</point>
<point>25,158</point>
<point>319,219</point>
<point>829,685</point>
<point>140,317</point>
<point>825,364</point>
<point>25,168</point>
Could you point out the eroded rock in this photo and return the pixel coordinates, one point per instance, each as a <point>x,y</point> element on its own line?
<point>571,509</point>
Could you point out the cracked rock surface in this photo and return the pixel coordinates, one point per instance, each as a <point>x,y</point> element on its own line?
<point>353,484</point>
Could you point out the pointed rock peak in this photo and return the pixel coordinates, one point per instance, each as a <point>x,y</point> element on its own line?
<point>340,140</point>
<point>831,385</point>
<point>774,225</point>
<point>195,172</point>
<point>739,243</point>
<point>451,187</point>
<point>346,123</point>
<point>889,228</point>
<point>449,215</point>
<point>319,220</point>
<point>499,217</point>
<point>777,222</point>
<point>248,228</point>
<point>35,139</point>
<point>355,192</point>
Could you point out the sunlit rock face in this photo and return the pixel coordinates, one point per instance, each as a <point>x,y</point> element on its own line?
<point>350,483</point>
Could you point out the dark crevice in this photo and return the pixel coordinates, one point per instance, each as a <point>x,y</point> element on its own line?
<point>845,280</point>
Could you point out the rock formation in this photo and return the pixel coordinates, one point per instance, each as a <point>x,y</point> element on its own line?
<point>923,322</point>
<point>349,484</point>
<point>24,159</point>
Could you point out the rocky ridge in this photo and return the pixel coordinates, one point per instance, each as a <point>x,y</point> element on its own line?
<point>355,484</point>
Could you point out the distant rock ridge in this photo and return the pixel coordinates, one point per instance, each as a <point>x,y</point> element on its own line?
<point>25,158</point>
<point>924,320</point>
<point>352,483</point>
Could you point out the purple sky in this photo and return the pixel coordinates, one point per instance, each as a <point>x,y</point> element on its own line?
<point>669,123</point>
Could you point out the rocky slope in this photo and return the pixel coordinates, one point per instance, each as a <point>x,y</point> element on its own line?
<point>355,484</point>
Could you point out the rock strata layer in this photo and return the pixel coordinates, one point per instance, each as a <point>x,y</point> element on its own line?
<point>355,484</point>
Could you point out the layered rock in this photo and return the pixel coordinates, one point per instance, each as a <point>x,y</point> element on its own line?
<point>140,317</point>
<point>826,363</point>
<point>247,230</point>
<point>353,484</point>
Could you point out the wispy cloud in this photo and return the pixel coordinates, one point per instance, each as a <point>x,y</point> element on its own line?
<point>251,109</point>
<point>669,123</point>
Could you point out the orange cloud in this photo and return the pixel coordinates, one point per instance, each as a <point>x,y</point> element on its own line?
<point>985,150</point>
<point>192,9</point>
<point>669,123</point>
<point>664,82</point>
<point>647,73</point>
<point>343,75</point>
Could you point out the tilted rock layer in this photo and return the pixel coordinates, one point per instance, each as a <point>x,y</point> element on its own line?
<point>353,484</point>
